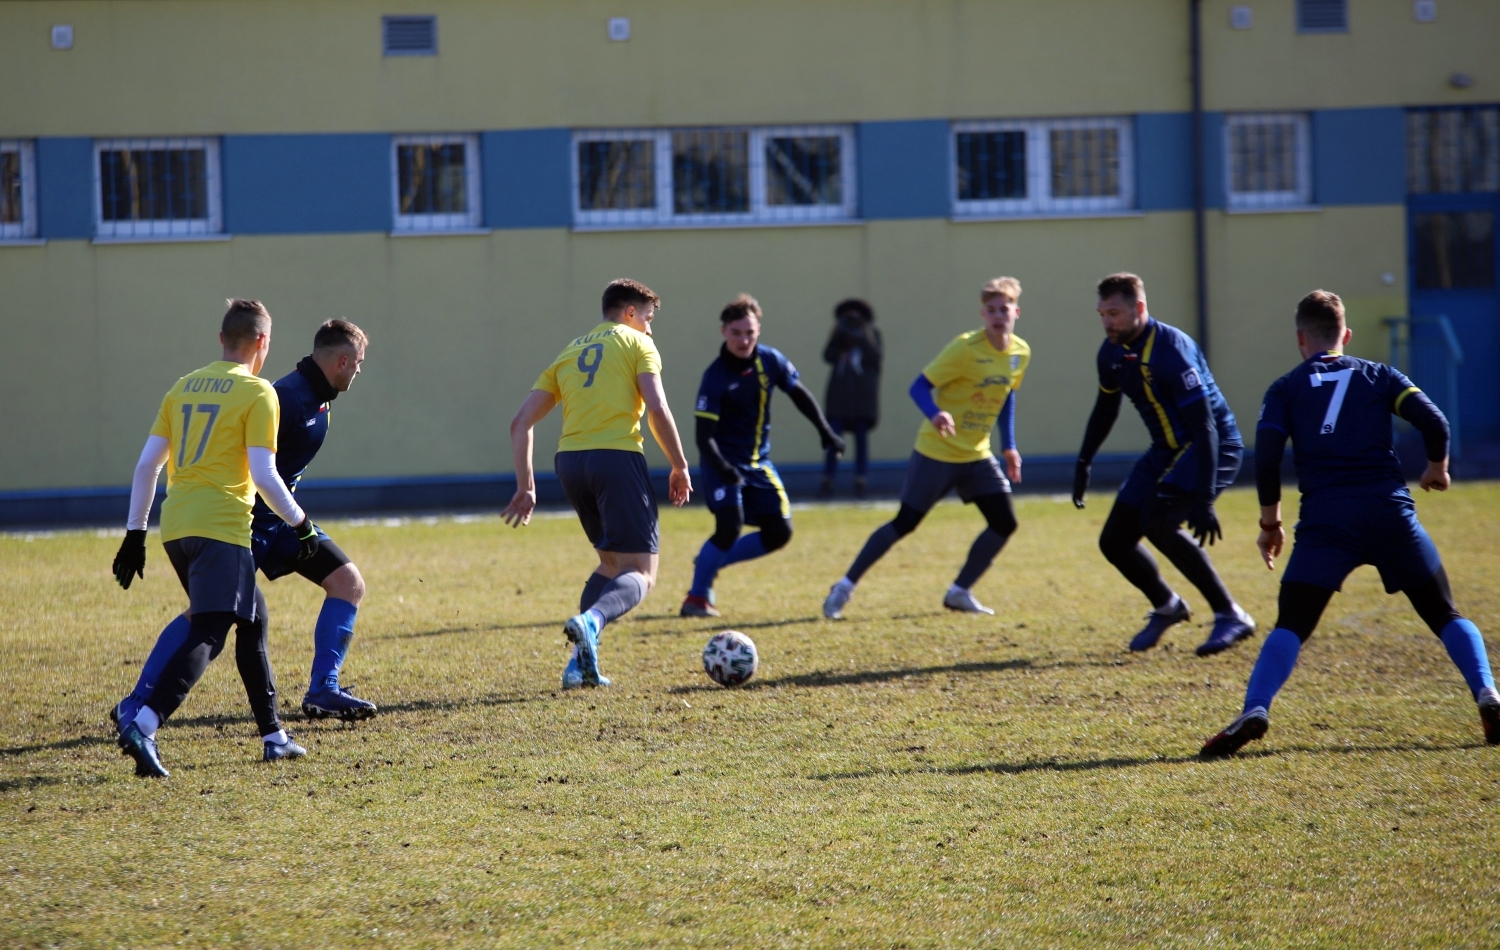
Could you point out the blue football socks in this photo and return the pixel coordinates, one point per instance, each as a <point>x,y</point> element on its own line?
<point>173,636</point>
<point>747,548</point>
<point>331,638</point>
<point>706,567</point>
<point>1466,647</point>
<point>1278,655</point>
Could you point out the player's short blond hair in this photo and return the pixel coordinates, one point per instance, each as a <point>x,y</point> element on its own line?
<point>244,321</point>
<point>1000,287</point>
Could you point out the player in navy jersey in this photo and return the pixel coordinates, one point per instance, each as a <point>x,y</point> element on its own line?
<point>1356,509</point>
<point>1195,454</point>
<point>734,446</point>
<point>304,396</point>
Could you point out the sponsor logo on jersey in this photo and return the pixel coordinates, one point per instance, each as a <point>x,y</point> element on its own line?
<point>1015,362</point>
<point>1190,379</point>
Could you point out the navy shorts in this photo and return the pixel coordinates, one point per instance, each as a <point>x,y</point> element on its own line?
<point>1336,535</point>
<point>928,480</point>
<point>1174,473</point>
<point>612,492</point>
<point>762,496</point>
<point>275,546</point>
<point>219,577</point>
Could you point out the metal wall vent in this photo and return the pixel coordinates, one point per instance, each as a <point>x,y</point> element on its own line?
<point>1322,16</point>
<point>410,35</point>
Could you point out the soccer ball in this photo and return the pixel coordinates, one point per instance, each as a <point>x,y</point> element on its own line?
<point>730,659</point>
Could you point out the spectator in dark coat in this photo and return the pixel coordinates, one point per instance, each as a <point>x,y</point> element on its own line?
<point>854,351</point>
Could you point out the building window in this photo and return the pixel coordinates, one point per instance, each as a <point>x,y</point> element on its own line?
<point>701,177</point>
<point>1269,161</point>
<point>409,35</point>
<point>1057,166</point>
<point>17,191</point>
<point>157,188</point>
<point>1322,16</point>
<point>1454,251</point>
<point>1453,151</point>
<point>436,182</point>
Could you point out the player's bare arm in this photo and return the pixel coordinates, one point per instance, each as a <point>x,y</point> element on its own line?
<point>533,410</point>
<point>664,429</point>
<point>1435,477</point>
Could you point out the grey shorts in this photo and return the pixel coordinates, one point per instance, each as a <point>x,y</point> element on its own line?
<point>928,480</point>
<point>612,492</point>
<point>218,576</point>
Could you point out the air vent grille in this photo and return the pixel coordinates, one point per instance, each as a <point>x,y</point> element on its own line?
<point>410,35</point>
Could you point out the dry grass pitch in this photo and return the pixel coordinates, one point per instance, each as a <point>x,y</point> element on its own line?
<point>907,778</point>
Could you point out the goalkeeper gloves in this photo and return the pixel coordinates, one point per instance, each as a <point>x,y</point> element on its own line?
<point>307,536</point>
<point>130,562</point>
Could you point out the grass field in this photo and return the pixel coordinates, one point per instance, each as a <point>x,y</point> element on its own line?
<point>907,778</point>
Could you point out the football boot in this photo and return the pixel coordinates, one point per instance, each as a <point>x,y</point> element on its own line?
<point>837,600</point>
<point>141,747</point>
<point>336,701</point>
<point>963,601</point>
<point>697,607</point>
<point>275,751</point>
<point>583,631</point>
<point>1228,630</point>
<point>1157,624</point>
<point>1489,715</point>
<point>1251,725</point>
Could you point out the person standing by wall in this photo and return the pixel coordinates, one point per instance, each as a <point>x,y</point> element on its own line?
<point>854,351</point>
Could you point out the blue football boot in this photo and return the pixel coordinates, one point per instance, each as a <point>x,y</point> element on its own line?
<point>1251,725</point>
<point>1157,624</point>
<point>583,631</point>
<point>572,677</point>
<point>289,749</point>
<point>328,701</point>
<point>141,747</point>
<point>1228,630</point>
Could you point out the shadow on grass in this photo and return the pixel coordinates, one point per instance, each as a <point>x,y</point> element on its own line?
<point>857,677</point>
<point>466,628</point>
<point>1127,762</point>
<point>58,746</point>
<point>27,783</point>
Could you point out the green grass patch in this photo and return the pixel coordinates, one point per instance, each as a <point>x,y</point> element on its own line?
<point>906,778</point>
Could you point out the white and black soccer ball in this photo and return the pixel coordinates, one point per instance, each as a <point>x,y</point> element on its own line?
<point>730,658</point>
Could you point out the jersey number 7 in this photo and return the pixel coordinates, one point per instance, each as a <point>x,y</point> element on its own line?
<point>210,409</point>
<point>1340,387</point>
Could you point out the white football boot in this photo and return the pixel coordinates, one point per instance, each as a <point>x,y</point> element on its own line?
<point>963,601</point>
<point>838,598</point>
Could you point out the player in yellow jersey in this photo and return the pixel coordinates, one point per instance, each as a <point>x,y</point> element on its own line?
<point>604,379</point>
<point>216,434</point>
<point>963,392</point>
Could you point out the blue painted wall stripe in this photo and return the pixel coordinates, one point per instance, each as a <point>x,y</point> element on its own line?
<point>528,178</point>
<point>1359,156</point>
<point>306,184</point>
<point>903,169</point>
<point>65,188</point>
<point>1163,161</point>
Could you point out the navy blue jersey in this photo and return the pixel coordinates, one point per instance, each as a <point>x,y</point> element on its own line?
<point>1337,411</point>
<point>737,394</point>
<point>1162,371</point>
<point>304,394</point>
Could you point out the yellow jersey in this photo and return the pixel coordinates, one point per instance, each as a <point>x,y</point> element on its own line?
<point>209,418</point>
<point>594,378</point>
<point>971,381</point>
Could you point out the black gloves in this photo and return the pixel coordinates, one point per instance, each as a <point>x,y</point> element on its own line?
<point>731,476</point>
<point>831,441</point>
<point>1080,482</point>
<point>130,563</point>
<point>1203,522</point>
<point>307,535</point>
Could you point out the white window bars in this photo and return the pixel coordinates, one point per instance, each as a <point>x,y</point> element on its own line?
<point>702,177</point>
<point>157,188</point>
<point>1021,168</point>
<point>1268,161</point>
<point>435,183</point>
<point>17,191</point>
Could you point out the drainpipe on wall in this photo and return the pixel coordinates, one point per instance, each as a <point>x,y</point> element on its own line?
<point>1200,262</point>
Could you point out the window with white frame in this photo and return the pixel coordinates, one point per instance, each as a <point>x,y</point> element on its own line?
<point>17,191</point>
<point>688,177</point>
<point>1268,161</point>
<point>435,182</point>
<point>1052,166</point>
<point>157,188</point>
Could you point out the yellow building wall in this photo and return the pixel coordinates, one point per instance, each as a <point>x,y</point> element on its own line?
<point>92,335</point>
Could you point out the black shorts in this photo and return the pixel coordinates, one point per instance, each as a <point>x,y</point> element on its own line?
<point>218,576</point>
<point>276,546</point>
<point>928,480</point>
<point>612,492</point>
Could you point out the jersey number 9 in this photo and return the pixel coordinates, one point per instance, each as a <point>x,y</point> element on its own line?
<point>589,360</point>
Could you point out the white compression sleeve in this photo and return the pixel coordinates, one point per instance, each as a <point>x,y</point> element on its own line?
<point>143,485</point>
<point>272,489</point>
